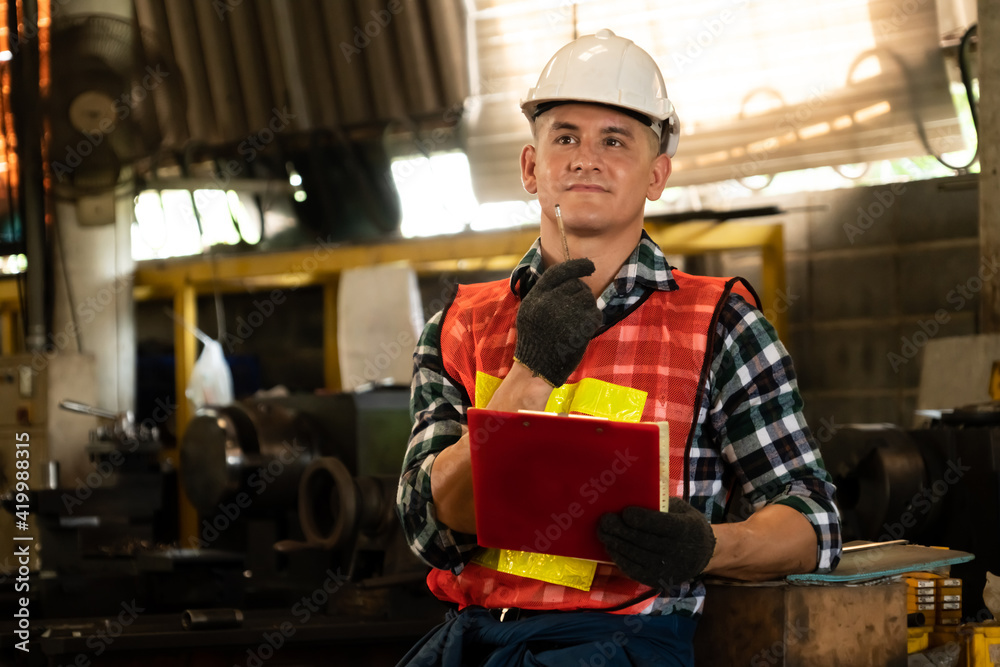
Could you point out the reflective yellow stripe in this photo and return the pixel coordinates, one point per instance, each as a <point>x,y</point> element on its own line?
<point>589,396</point>
<point>486,385</point>
<point>562,570</point>
<point>598,398</point>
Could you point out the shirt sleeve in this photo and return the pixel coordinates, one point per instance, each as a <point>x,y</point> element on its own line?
<point>756,412</point>
<point>437,409</point>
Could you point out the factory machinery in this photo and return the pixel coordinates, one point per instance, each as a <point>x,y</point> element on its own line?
<point>298,558</point>
<point>934,486</point>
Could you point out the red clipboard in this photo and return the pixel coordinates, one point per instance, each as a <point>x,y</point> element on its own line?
<point>541,481</point>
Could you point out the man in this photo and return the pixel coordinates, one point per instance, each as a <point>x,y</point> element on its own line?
<point>698,351</point>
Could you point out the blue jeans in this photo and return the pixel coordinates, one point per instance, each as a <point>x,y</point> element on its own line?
<point>474,638</point>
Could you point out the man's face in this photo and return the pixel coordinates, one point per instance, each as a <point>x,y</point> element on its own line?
<point>598,164</point>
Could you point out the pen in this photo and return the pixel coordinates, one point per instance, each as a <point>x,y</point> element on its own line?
<point>562,232</point>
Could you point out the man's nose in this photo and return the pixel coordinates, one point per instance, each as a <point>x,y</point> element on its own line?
<point>585,158</point>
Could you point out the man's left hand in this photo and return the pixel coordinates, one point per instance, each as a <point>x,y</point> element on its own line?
<point>659,549</point>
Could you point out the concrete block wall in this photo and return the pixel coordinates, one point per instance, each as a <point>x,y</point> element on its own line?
<point>873,273</point>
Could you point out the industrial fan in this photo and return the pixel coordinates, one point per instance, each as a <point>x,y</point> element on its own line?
<point>106,78</point>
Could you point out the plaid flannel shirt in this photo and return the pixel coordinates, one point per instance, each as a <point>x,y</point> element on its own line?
<point>750,427</point>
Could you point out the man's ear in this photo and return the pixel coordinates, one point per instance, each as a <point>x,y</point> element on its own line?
<point>659,172</point>
<point>528,179</point>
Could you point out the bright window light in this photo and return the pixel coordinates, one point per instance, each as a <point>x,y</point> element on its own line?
<point>248,223</point>
<point>217,224</point>
<point>13,264</point>
<point>506,214</point>
<point>435,194</point>
<point>437,198</point>
<point>165,225</point>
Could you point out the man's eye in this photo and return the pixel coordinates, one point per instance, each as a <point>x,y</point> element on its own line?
<point>611,141</point>
<point>564,139</point>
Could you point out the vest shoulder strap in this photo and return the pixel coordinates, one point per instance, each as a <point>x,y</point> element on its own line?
<point>735,285</point>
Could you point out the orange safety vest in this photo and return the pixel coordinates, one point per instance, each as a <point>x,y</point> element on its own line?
<point>650,366</point>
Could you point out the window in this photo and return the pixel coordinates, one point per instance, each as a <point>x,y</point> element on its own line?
<point>761,87</point>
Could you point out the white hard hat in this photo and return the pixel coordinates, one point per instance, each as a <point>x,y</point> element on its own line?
<point>607,69</point>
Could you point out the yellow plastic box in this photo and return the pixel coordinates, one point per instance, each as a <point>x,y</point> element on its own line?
<point>984,644</point>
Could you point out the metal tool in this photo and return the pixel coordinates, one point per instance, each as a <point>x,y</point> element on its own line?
<point>562,233</point>
<point>82,408</point>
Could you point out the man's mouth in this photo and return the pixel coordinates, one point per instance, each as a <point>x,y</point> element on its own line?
<point>586,187</point>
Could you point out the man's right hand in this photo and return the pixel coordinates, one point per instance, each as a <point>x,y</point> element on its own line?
<point>556,321</point>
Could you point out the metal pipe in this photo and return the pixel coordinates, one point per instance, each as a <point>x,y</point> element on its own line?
<point>211,619</point>
<point>989,159</point>
<point>24,84</point>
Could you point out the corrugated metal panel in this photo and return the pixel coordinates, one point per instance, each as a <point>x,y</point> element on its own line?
<point>292,59</point>
<point>170,109</point>
<point>383,64</point>
<point>422,86</point>
<point>448,30</point>
<point>223,80</point>
<point>273,59</point>
<point>350,72</point>
<point>312,42</point>
<point>187,52</point>
<point>330,64</point>
<point>248,50</point>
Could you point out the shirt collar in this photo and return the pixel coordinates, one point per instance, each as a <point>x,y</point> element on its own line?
<point>646,266</point>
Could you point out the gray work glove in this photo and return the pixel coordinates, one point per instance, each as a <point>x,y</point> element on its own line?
<point>556,321</point>
<point>659,549</point>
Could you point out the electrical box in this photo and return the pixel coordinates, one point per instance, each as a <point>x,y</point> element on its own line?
<point>35,434</point>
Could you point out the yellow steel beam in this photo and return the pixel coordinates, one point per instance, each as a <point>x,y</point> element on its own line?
<point>701,237</point>
<point>331,356</point>
<point>8,292</point>
<point>322,263</point>
<point>185,311</point>
<point>314,264</point>
<point>7,331</point>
